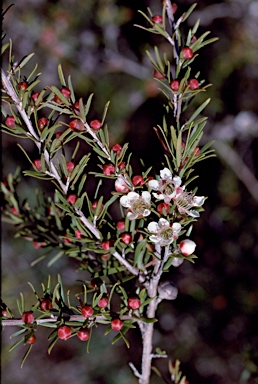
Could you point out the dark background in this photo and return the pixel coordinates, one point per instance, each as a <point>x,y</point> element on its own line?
<point>212,326</point>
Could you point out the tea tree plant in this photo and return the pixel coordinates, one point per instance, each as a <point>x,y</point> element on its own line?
<point>125,255</point>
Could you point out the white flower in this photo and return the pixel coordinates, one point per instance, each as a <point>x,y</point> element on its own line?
<point>167,187</point>
<point>186,200</point>
<point>187,247</point>
<point>163,233</point>
<point>138,206</point>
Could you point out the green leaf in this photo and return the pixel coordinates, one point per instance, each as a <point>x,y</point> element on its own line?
<point>55,258</point>
<point>26,355</point>
<point>24,61</point>
<point>61,75</point>
<point>15,344</point>
<point>52,344</point>
<point>188,13</point>
<point>198,111</point>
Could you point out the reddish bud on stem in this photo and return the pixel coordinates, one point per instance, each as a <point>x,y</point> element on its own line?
<point>87,311</point>
<point>28,317</point>
<point>116,324</point>
<point>83,334</point>
<point>64,332</point>
<point>95,124</point>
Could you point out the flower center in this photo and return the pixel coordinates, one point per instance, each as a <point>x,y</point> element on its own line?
<point>185,200</point>
<point>166,233</point>
<point>139,206</point>
<point>167,189</point>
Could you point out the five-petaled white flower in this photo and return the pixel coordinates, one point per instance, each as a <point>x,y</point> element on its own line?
<point>163,233</point>
<point>187,200</point>
<point>167,187</point>
<point>138,206</point>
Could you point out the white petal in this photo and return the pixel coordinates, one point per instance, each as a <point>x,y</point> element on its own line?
<point>153,227</point>
<point>124,201</point>
<point>176,227</point>
<point>165,173</point>
<point>146,196</point>
<point>153,184</point>
<point>163,222</point>
<point>132,216</point>
<point>158,196</point>
<point>193,213</point>
<point>198,201</point>
<point>146,212</point>
<point>154,239</point>
<point>132,196</point>
<point>177,261</point>
<point>177,180</point>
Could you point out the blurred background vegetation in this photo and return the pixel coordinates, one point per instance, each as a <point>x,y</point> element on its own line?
<point>212,326</point>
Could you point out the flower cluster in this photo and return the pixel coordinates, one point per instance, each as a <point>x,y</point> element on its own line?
<point>169,189</point>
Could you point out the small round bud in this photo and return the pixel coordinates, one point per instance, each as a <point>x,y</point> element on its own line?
<point>187,247</point>
<point>35,96</point>
<point>37,163</point>
<point>106,245</point>
<point>108,169</point>
<point>158,75</point>
<point>157,19</point>
<point>163,207</point>
<point>167,290</point>
<point>71,199</point>
<point>103,302</point>
<point>95,124</point>
<point>31,340</point>
<point>120,225</point>
<point>66,92</point>
<point>78,234</point>
<point>134,303</point>
<point>117,148</point>
<point>28,317</point>
<point>42,123</point>
<point>116,324</point>
<point>137,180</point>
<point>64,332</point>
<point>193,84</point>
<point>174,85</point>
<point>95,204</point>
<point>46,304</point>
<point>70,166</point>
<point>126,238</point>
<point>187,53</point>
<point>76,107</point>
<point>23,85</point>
<point>10,121</point>
<point>87,311</point>
<point>83,334</point>
<point>76,125</point>
<point>121,186</point>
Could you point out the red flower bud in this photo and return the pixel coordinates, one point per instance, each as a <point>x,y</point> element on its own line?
<point>78,234</point>
<point>174,85</point>
<point>35,96</point>
<point>126,238</point>
<point>42,123</point>
<point>163,207</point>
<point>31,340</point>
<point>157,19</point>
<point>116,324</point>
<point>76,107</point>
<point>117,148</point>
<point>157,75</point>
<point>134,303</point>
<point>87,311</point>
<point>28,317</point>
<point>70,166</point>
<point>37,163</point>
<point>10,121</point>
<point>64,332</point>
<point>95,204</point>
<point>103,302</point>
<point>83,334</point>
<point>66,92</point>
<point>46,304</point>
<point>95,124</point>
<point>76,125</point>
<point>120,225</point>
<point>137,180</point>
<point>15,211</point>
<point>71,199</point>
<point>23,85</point>
<point>121,186</point>
<point>108,169</point>
<point>37,244</point>
<point>106,245</point>
<point>193,84</point>
<point>187,53</point>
